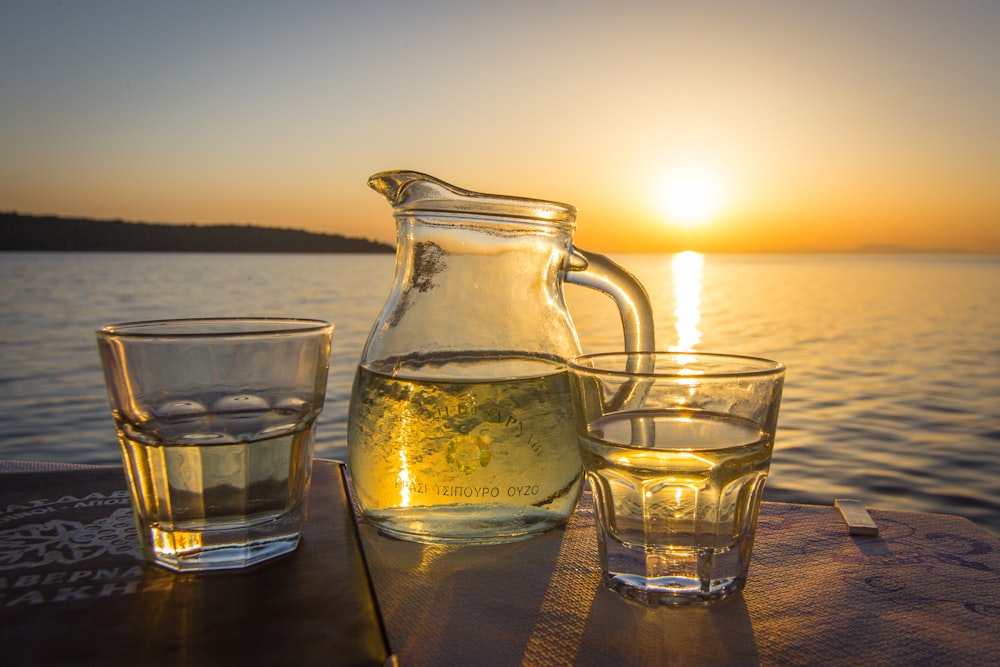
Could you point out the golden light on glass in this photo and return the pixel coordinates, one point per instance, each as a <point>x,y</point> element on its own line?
<point>403,476</point>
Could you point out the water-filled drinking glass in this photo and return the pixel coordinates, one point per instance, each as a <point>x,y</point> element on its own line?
<point>677,448</point>
<point>216,419</point>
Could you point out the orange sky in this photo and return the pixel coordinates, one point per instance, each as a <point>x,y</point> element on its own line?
<point>821,125</point>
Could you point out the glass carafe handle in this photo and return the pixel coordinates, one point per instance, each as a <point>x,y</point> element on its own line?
<point>598,272</point>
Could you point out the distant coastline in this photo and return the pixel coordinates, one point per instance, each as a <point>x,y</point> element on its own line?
<point>52,233</point>
<point>19,232</point>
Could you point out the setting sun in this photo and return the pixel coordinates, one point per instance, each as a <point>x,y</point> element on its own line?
<point>691,196</point>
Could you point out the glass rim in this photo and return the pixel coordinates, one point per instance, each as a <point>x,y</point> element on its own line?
<point>746,365</point>
<point>213,327</point>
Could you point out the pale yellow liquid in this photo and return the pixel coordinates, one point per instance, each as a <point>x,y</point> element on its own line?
<point>692,486</point>
<point>219,490</point>
<point>464,462</point>
<point>677,494</point>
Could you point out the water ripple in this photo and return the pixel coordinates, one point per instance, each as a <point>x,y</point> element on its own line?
<point>892,394</point>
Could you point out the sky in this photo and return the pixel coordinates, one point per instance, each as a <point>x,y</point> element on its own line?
<point>741,126</point>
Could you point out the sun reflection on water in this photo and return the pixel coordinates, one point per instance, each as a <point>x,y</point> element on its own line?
<point>687,269</point>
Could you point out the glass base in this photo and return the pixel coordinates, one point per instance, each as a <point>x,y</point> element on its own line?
<point>230,549</point>
<point>225,558</point>
<point>675,591</point>
<point>677,576</point>
<point>465,524</point>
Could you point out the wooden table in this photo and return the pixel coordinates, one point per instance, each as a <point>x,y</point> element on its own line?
<point>926,591</point>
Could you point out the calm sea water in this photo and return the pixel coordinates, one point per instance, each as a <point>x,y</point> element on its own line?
<point>892,394</point>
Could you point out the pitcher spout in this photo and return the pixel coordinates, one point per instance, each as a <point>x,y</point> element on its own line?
<point>413,191</point>
<point>403,186</point>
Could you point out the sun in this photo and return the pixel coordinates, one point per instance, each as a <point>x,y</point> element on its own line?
<point>691,196</point>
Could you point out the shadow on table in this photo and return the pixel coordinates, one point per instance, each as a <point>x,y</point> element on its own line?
<point>537,602</point>
<point>618,629</point>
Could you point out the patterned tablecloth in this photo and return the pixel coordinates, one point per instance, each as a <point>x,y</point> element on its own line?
<point>925,591</point>
<point>75,591</point>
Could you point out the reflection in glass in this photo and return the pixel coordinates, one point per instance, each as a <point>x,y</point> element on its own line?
<point>687,267</point>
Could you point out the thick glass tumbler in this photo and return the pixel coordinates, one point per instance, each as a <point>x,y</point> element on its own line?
<point>216,419</point>
<point>677,447</point>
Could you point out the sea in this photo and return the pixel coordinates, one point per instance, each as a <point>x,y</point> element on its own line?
<point>892,393</point>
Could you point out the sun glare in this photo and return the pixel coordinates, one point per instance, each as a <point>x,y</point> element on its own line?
<point>691,196</point>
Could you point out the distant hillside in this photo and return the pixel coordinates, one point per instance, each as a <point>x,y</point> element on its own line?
<point>50,233</point>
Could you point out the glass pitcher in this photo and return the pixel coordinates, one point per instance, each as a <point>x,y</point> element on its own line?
<point>460,426</point>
